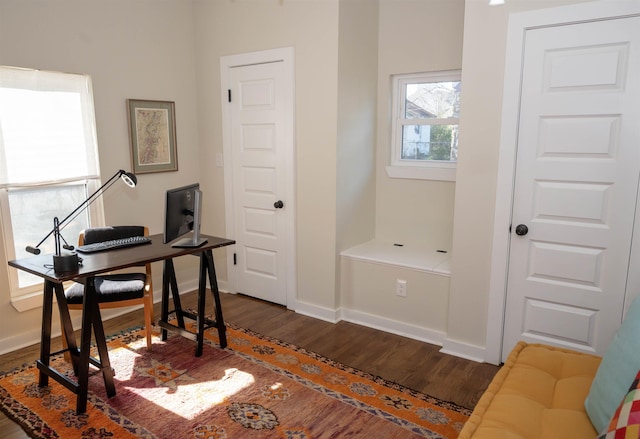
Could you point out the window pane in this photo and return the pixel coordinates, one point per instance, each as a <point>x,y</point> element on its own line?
<point>434,100</point>
<point>429,142</point>
<point>48,115</point>
<point>45,124</point>
<point>32,213</point>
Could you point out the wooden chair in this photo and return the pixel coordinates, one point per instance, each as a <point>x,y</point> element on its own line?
<point>120,289</point>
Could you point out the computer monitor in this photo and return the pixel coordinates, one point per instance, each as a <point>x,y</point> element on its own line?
<point>182,212</point>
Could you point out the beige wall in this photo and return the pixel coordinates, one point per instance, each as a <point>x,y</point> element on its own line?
<point>357,112</point>
<point>485,31</point>
<point>229,27</point>
<point>151,49</point>
<point>131,50</point>
<point>415,36</point>
<point>369,299</point>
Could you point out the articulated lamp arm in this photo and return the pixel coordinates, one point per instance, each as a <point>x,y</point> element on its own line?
<point>129,179</point>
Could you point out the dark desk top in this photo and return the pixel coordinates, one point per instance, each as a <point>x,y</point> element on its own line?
<point>101,262</point>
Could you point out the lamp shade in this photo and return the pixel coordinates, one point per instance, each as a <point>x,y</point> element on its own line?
<point>129,179</point>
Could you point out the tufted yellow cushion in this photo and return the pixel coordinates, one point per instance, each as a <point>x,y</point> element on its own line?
<point>539,393</point>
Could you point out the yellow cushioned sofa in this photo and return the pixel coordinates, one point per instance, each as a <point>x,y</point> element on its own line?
<point>545,392</point>
<point>538,393</point>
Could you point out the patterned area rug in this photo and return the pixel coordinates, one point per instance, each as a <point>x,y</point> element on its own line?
<point>258,387</point>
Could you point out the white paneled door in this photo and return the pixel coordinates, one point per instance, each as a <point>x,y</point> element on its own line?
<point>576,184</point>
<point>261,152</point>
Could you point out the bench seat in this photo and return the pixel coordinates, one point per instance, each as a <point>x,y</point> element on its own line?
<point>539,393</point>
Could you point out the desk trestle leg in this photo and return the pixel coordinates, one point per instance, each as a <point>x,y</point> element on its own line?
<point>80,358</point>
<point>169,284</point>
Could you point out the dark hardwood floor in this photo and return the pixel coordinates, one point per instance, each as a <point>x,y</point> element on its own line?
<point>408,362</point>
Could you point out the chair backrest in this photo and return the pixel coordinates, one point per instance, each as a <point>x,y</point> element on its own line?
<point>101,234</point>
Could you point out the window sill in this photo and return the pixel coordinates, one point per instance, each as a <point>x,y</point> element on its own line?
<point>422,173</point>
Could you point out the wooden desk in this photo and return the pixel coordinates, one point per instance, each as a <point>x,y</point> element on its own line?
<point>97,263</point>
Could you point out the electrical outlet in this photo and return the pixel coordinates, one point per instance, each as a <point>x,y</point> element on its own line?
<point>401,288</point>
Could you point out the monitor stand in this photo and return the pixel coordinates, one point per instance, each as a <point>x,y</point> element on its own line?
<point>196,241</point>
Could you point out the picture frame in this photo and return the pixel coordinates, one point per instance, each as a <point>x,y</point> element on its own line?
<point>152,133</point>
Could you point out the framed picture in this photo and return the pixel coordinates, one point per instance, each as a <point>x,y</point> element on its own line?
<point>152,131</point>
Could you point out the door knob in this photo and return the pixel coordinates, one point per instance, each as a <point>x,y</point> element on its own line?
<point>278,204</point>
<point>521,230</point>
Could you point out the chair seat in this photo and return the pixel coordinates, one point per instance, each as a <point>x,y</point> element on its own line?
<point>111,288</point>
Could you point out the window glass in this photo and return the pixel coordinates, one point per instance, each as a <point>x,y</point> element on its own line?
<point>47,123</point>
<point>48,161</point>
<point>432,100</point>
<point>425,119</point>
<point>430,142</point>
<point>32,216</point>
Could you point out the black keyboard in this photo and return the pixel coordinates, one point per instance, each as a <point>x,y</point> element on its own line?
<point>111,245</point>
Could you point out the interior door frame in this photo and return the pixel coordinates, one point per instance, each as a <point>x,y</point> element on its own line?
<point>519,24</point>
<point>285,55</point>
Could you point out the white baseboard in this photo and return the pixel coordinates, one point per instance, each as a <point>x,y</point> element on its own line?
<point>449,346</point>
<point>419,333</point>
<point>464,350</point>
<point>371,321</point>
<point>438,338</point>
<point>19,341</point>
<point>316,311</point>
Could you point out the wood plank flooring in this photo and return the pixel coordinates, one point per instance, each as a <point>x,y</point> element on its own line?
<point>408,362</point>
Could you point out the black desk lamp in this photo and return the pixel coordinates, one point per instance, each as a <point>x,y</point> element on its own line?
<point>69,262</point>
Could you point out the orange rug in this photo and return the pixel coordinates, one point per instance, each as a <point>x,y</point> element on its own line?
<point>258,387</point>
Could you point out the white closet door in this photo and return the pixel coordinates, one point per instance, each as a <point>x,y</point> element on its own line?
<point>575,190</point>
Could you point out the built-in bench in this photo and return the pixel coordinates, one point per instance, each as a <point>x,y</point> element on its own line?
<point>370,274</point>
<point>435,261</point>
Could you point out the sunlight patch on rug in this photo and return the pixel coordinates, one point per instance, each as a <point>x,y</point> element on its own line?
<point>258,387</point>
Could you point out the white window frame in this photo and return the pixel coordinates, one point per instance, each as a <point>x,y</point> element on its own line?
<point>417,169</point>
<point>30,297</point>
